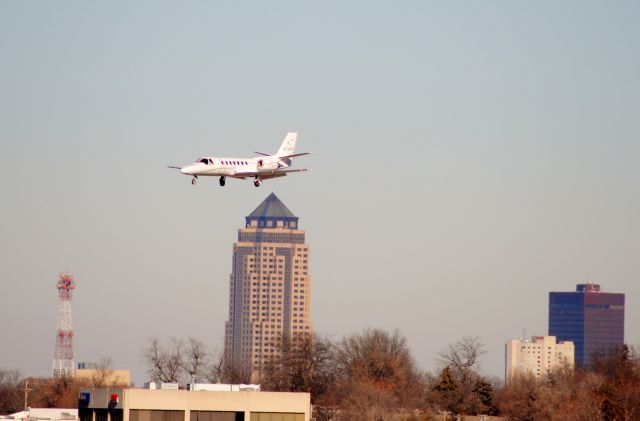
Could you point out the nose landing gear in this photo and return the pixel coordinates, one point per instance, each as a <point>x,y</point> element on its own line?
<point>222,180</point>
<point>193,180</point>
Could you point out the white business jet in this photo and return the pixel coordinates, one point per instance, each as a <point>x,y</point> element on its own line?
<point>259,168</point>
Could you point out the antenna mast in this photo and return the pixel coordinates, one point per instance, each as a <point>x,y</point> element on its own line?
<point>63,363</point>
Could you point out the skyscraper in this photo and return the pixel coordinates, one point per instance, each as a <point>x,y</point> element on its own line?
<point>591,319</point>
<point>269,287</point>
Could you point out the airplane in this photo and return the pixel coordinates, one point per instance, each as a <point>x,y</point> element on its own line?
<point>259,168</point>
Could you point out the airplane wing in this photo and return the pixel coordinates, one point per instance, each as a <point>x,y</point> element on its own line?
<point>267,174</point>
<point>280,173</point>
<point>295,170</point>
<point>272,175</point>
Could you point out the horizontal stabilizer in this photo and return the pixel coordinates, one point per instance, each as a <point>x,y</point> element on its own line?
<point>263,154</point>
<point>295,154</point>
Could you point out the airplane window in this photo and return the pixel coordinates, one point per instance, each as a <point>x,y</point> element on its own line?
<point>203,160</point>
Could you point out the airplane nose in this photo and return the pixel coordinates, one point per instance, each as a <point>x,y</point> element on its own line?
<point>184,170</point>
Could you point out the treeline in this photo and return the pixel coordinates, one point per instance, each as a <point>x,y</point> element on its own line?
<point>372,376</point>
<point>18,392</point>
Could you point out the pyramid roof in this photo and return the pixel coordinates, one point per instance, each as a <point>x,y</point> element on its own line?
<point>272,207</point>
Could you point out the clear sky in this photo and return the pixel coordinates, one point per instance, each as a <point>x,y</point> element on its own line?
<point>469,157</point>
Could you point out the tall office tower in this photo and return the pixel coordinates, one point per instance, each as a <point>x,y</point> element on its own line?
<point>269,286</point>
<point>538,357</point>
<point>591,319</point>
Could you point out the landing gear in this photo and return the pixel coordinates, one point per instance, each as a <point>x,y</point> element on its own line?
<point>193,180</point>
<point>222,180</point>
<point>257,182</point>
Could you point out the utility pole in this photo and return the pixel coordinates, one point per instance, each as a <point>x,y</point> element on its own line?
<point>26,393</point>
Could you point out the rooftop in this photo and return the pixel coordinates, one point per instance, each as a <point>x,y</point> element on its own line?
<point>272,213</point>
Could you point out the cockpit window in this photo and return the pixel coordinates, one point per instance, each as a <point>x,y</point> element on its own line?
<point>203,160</point>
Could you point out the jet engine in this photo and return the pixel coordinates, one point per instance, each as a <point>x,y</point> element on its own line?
<point>267,165</point>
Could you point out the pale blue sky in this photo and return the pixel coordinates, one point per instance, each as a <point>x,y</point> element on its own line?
<point>469,157</point>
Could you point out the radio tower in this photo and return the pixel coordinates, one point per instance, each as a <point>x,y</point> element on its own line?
<point>63,364</point>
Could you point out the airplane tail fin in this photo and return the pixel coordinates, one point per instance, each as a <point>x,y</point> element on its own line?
<point>288,144</point>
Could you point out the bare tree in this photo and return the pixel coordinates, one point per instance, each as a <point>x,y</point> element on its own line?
<point>609,390</point>
<point>377,375</point>
<point>468,392</point>
<point>620,392</point>
<point>463,357</point>
<point>235,371</point>
<point>195,359</point>
<point>304,364</point>
<point>103,374</point>
<point>164,364</point>
<point>213,370</point>
<point>10,391</point>
<point>521,399</point>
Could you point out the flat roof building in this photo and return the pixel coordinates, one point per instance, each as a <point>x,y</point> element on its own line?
<point>103,377</point>
<point>539,357</point>
<point>44,414</point>
<point>184,405</point>
<point>591,319</point>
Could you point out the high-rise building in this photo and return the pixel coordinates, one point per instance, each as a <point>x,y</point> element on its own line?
<point>270,286</point>
<point>538,357</point>
<point>593,320</point>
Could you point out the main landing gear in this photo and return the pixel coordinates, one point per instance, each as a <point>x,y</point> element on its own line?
<point>222,180</point>
<point>193,180</point>
<point>257,182</point>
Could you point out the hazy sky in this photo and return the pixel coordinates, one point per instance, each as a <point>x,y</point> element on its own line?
<point>469,157</point>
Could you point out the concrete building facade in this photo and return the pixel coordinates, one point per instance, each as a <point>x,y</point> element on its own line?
<point>591,319</point>
<point>270,286</point>
<point>183,405</point>
<point>103,376</point>
<point>538,357</point>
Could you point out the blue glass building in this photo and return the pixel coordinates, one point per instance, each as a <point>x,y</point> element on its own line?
<point>592,319</point>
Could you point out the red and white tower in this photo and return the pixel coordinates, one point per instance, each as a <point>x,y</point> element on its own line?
<point>63,364</point>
